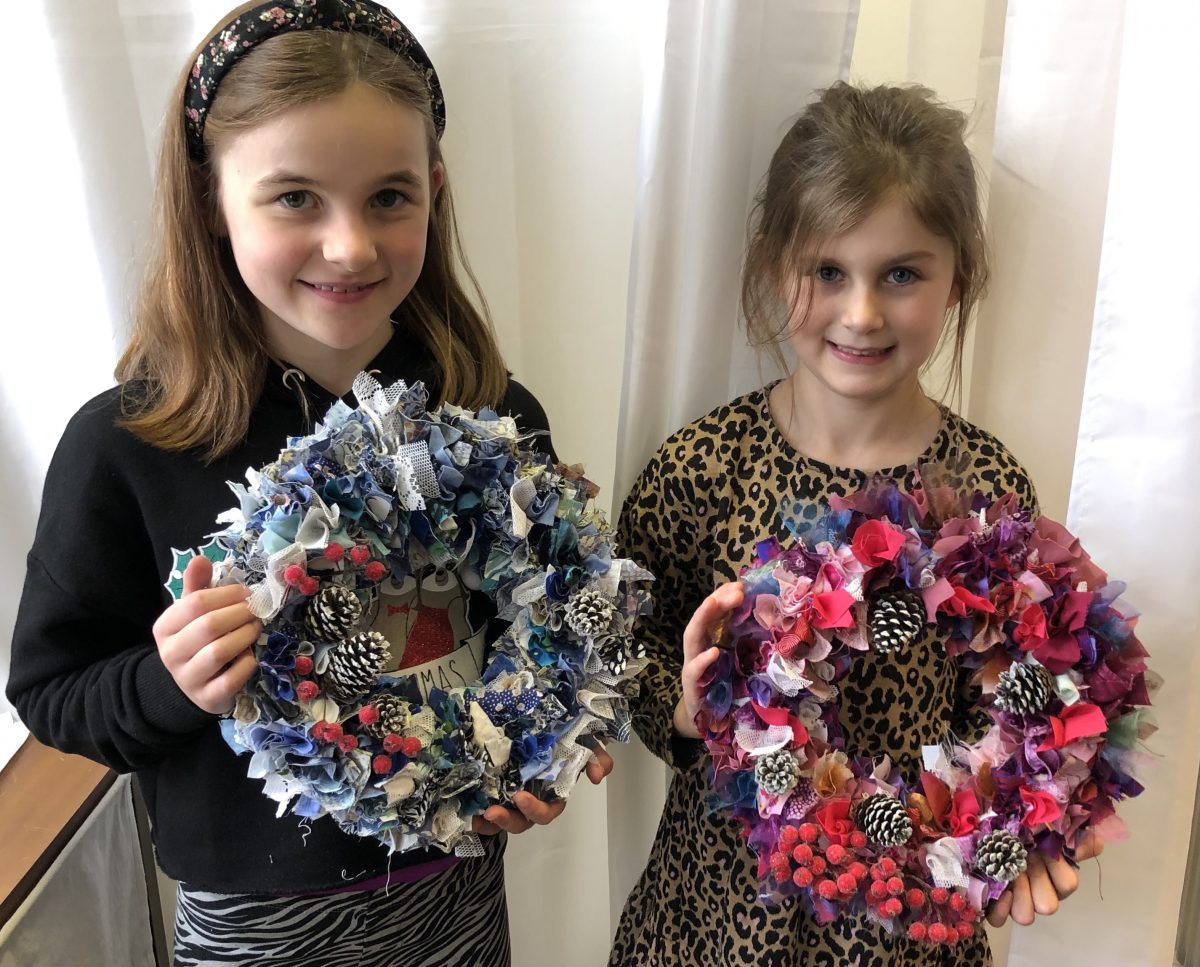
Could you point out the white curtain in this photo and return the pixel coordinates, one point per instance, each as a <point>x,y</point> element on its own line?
<point>90,909</point>
<point>729,77</point>
<point>1137,453</point>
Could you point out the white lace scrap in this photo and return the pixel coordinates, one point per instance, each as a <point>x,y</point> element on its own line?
<point>417,454</point>
<point>521,496</point>
<point>787,675</point>
<point>761,741</point>
<point>945,861</point>
<point>267,597</point>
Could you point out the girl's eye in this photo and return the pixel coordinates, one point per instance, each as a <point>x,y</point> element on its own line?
<point>390,198</point>
<point>901,276</point>
<point>828,273</point>
<point>294,199</point>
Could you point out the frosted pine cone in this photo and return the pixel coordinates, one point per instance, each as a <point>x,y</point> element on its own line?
<point>884,820</point>
<point>777,772</point>
<point>897,620</point>
<point>589,613</point>
<point>355,664</point>
<point>393,716</point>
<point>333,613</point>
<point>1000,856</point>
<point>1024,689</point>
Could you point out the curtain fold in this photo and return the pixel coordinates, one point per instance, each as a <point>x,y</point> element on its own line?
<point>1137,461</point>
<point>719,93</point>
<point>90,909</point>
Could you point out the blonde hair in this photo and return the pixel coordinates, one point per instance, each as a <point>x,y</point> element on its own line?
<point>197,351</point>
<point>850,149</point>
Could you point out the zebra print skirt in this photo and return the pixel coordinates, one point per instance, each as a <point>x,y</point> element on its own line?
<point>457,917</point>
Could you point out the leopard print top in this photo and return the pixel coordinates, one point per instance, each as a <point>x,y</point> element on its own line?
<point>712,490</point>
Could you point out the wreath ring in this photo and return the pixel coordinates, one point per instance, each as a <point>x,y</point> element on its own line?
<point>385,490</point>
<point>1064,690</point>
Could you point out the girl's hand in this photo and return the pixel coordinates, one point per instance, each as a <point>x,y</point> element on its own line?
<point>204,639</point>
<point>1040,888</point>
<point>530,810</point>
<point>699,652</point>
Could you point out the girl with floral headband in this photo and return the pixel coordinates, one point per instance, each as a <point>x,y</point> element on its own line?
<point>305,232</point>
<point>867,248</point>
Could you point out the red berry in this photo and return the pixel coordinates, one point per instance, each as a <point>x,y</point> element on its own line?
<point>917,931</point>
<point>334,552</point>
<point>304,665</point>
<point>958,903</point>
<point>307,691</point>
<point>817,865</point>
<point>837,854</point>
<point>878,890</point>
<point>858,870</point>
<point>293,574</point>
<point>892,908</point>
<point>360,554</point>
<point>846,883</point>
<point>368,715</point>
<point>392,742</point>
<point>809,832</point>
<point>895,886</point>
<point>789,836</point>
<point>347,743</point>
<point>939,895</point>
<point>965,930</point>
<point>375,571</point>
<point>381,764</point>
<point>938,932</point>
<point>827,890</point>
<point>309,585</point>
<point>858,839</point>
<point>411,746</point>
<point>317,731</point>
<point>333,731</point>
<point>780,865</point>
<point>887,866</point>
<point>915,898</point>
<point>802,854</point>
<point>802,877</point>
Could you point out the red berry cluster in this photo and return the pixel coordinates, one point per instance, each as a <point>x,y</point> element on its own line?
<point>297,576</point>
<point>838,876</point>
<point>407,745</point>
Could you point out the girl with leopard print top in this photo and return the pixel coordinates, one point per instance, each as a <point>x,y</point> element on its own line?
<point>867,249</point>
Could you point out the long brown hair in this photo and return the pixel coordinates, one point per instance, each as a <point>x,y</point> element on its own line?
<point>197,352</point>
<point>848,150</point>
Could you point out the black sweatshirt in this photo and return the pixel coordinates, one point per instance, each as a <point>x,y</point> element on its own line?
<point>86,676</point>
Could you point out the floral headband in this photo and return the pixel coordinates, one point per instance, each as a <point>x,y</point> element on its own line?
<point>263,22</point>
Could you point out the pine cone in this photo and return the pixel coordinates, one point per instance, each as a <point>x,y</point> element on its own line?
<point>897,620</point>
<point>1000,856</point>
<point>777,772</point>
<point>884,820</point>
<point>393,716</point>
<point>1024,689</point>
<point>333,613</point>
<point>355,664</point>
<point>589,613</point>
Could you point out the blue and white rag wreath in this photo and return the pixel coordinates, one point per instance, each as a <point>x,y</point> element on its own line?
<point>384,490</point>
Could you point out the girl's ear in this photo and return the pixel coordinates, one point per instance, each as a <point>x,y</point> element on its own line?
<point>437,175</point>
<point>955,294</point>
